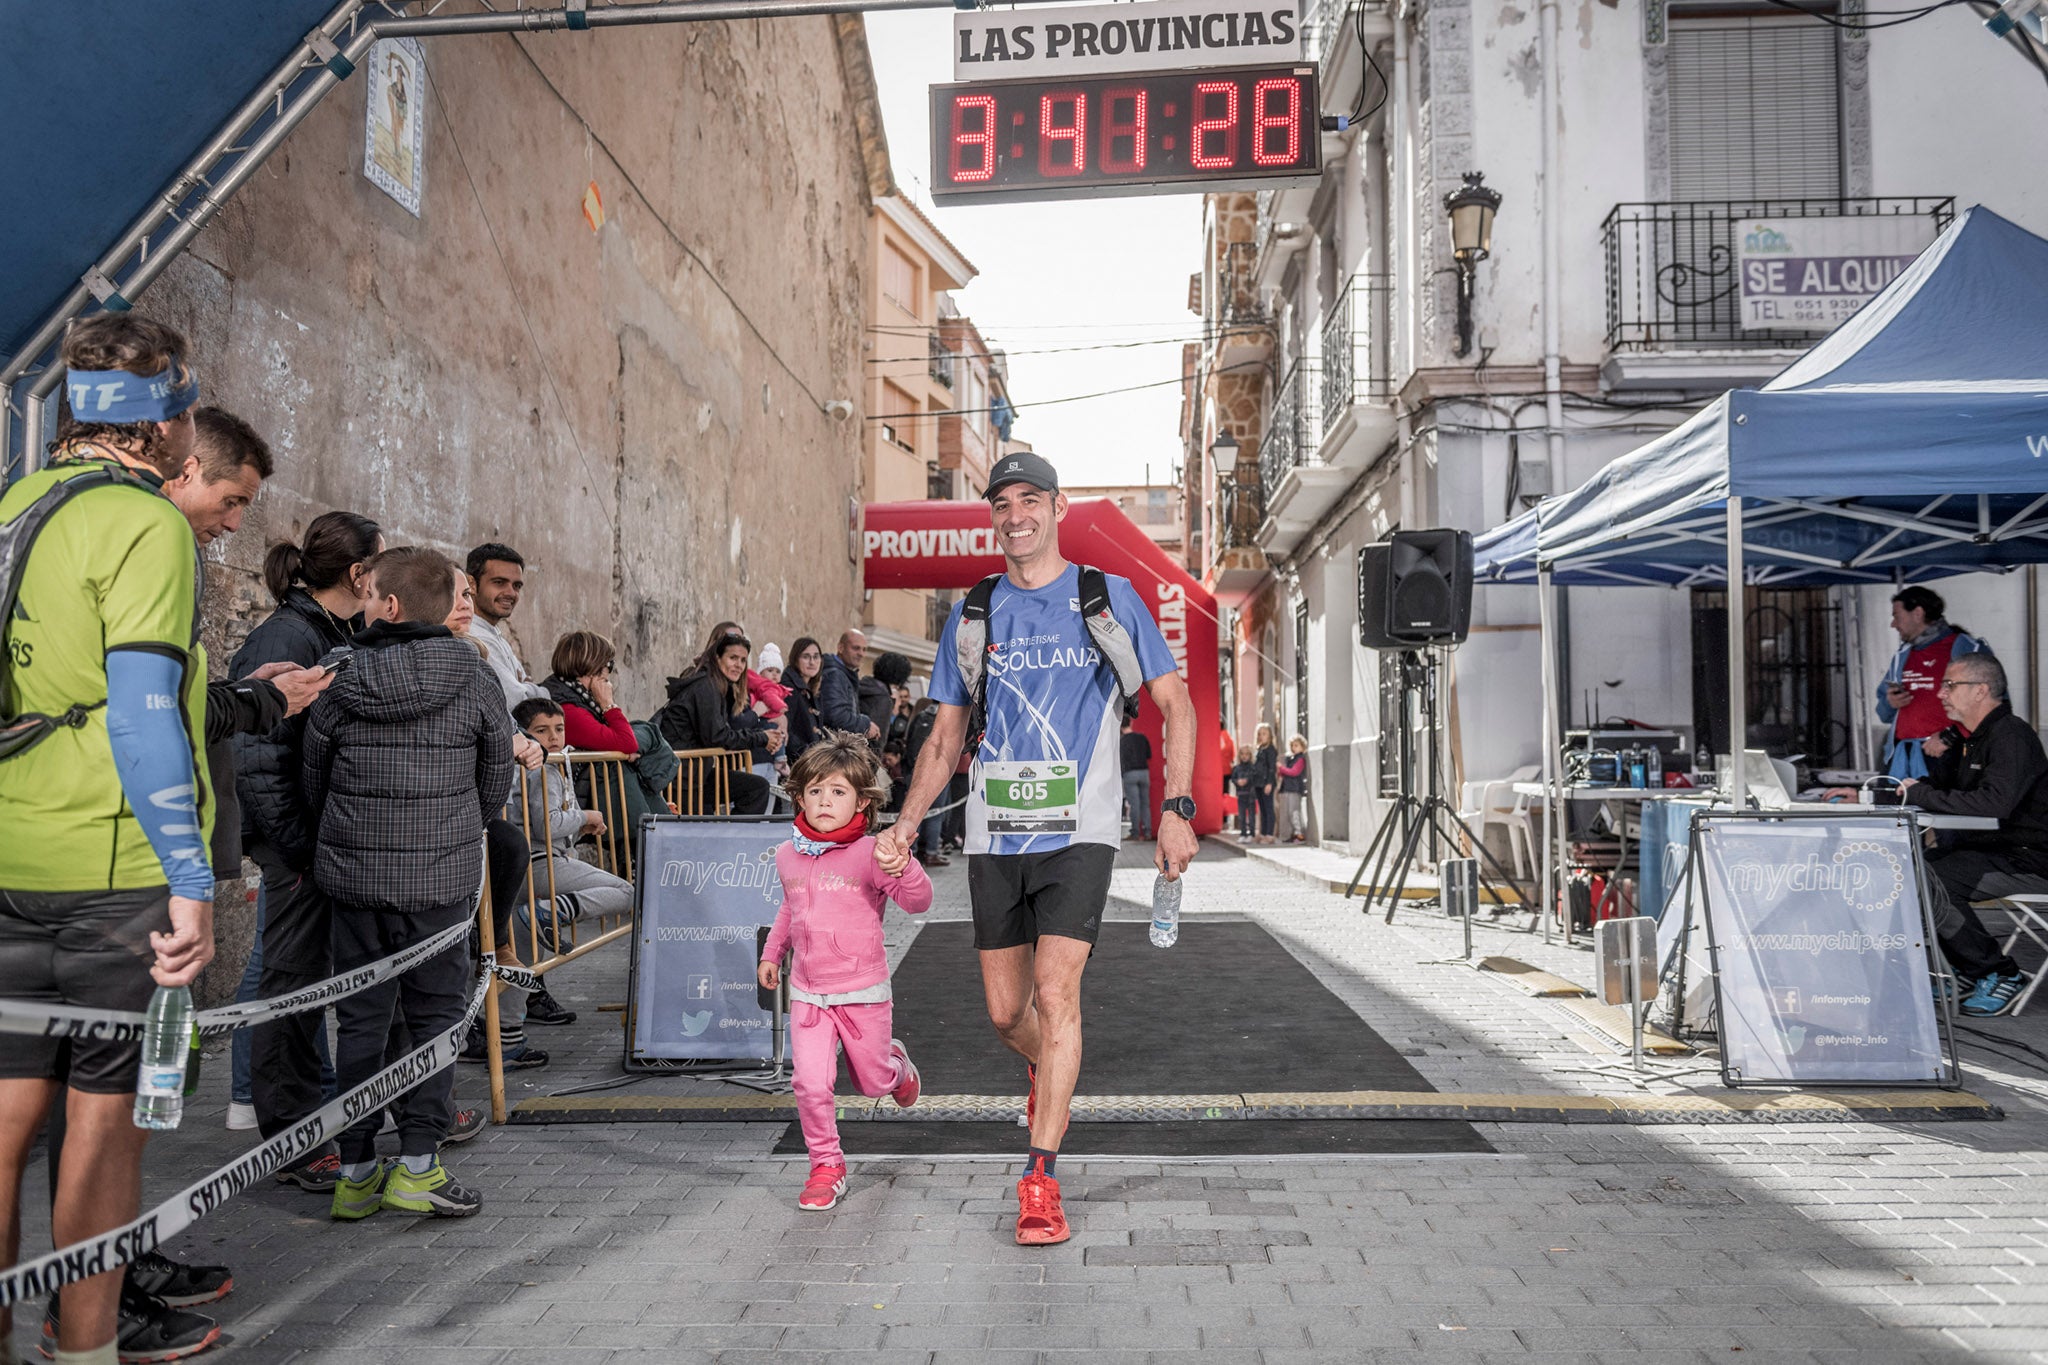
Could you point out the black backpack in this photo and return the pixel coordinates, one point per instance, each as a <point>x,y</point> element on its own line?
<point>20,733</point>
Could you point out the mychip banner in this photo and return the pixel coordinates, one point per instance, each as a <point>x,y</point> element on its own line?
<point>1821,949</point>
<point>705,886</point>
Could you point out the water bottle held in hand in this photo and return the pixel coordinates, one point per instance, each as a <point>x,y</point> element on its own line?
<point>166,1048</point>
<point>1165,912</point>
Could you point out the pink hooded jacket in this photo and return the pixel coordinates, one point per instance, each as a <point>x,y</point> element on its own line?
<point>832,912</point>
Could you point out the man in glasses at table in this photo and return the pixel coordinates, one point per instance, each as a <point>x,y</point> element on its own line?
<point>1993,766</point>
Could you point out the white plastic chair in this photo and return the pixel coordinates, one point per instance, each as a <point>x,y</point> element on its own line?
<point>1496,802</point>
<point>2029,921</point>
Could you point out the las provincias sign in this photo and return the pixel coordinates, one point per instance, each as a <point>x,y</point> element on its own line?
<point>1153,35</point>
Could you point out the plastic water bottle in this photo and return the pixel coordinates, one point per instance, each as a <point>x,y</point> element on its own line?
<point>1165,912</point>
<point>166,1049</point>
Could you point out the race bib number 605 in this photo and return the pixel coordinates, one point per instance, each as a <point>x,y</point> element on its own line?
<point>1031,798</point>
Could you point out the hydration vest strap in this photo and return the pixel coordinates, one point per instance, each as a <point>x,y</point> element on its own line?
<point>1105,632</point>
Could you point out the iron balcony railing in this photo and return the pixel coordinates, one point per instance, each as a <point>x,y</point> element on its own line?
<point>1240,507</point>
<point>1294,430</point>
<point>1236,288</point>
<point>1357,364</point>
<point>1671,268</point>
<point>941,364</point>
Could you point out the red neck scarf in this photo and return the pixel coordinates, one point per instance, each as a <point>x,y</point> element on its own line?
<point>845,834</point>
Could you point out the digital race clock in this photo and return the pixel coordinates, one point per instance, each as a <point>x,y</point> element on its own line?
<point>1143,133</point>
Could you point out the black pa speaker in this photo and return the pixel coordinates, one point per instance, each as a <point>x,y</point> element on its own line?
<point>1415,588</point>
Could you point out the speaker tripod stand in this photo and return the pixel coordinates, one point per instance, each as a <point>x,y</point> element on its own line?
<point>1414,815</point>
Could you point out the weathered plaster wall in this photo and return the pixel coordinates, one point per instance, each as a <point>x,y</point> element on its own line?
<point>637,409</point>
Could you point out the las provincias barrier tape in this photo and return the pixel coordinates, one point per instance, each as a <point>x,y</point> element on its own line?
<point>105,1252</point>
<point>121,1026</point>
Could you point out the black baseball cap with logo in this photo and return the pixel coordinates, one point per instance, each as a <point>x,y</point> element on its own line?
<point>1023,467</point>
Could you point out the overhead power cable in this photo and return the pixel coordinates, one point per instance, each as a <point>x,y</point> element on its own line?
<point>1051,402</point>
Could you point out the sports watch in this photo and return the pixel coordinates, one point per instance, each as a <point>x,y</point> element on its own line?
<point>1183,806</point>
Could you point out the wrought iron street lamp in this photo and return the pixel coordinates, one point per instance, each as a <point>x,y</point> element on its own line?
<point>1471,208</point>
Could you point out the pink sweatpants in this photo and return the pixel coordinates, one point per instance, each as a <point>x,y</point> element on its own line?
<point>816,1037</point>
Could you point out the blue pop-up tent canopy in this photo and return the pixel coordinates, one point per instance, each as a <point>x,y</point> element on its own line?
<point>1911,442</point>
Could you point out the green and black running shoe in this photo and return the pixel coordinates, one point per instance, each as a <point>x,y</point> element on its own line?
<point>355,1200</point>
<point>435,1192</point>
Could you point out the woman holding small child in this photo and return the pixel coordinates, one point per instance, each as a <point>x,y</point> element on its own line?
<point>708,708</point>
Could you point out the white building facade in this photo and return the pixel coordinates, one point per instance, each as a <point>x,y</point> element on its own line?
<point>1625,138</point>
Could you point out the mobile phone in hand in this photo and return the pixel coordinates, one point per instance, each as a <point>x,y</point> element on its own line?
<point>336,659</point>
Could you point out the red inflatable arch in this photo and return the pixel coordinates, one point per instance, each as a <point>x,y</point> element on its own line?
<point>953,545</point>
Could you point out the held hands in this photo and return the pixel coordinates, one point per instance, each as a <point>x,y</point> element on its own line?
<point>769,974</point>
<point>299,685</point>
<point>892,848</point>
<point>188,947</point>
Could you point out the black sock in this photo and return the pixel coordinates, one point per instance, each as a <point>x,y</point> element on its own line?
<point>1040,1160</point>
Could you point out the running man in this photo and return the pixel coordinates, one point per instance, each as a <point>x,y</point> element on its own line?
<point>1041,844</point>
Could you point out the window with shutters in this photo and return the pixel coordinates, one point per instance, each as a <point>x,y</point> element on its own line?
<point>1755,107</point>
<point>899,278</point>
<point>1301,668</point>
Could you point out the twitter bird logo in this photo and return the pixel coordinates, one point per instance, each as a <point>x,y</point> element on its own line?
<point>694,1024</point>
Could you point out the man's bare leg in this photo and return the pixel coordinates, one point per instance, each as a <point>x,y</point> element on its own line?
<point>23,1106</point>
<point>1006,986</point>
<point>1056,980</point>
<point>98,1188</point>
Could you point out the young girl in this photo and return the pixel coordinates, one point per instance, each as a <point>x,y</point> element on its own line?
<point>1294,791</point>
<point>832,898</point>
<point>1267,761</point>
<point>1244,782</point>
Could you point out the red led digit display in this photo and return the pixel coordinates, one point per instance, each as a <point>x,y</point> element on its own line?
<point>1062,132</point>
<point>1151,132</point>
<point>972,145</point>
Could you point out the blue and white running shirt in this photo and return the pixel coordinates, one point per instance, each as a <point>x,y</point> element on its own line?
<point>1053,709</point>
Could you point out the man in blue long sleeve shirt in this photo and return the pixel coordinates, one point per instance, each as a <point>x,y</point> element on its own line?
<point>106,887</point>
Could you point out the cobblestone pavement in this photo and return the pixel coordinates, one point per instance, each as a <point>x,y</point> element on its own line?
<point>1845,1243</point>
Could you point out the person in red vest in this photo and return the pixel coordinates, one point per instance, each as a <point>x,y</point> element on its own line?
<point>1909,697</point>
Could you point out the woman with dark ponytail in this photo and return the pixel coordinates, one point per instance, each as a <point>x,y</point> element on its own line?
<point>319,589</point>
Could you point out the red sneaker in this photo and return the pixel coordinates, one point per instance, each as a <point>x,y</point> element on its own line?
<point>1041,1221</point>
<point>823,1189</point>
<point>912,1085</point>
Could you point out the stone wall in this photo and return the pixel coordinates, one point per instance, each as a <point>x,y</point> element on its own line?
<point>637,408</point>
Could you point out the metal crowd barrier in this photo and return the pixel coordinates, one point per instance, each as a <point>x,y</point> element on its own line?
<point>701,786</point>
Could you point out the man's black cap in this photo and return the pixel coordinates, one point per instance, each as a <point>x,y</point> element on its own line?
<point>1023,467</point>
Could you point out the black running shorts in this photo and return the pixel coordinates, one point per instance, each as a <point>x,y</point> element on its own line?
<point>87,949</point>
<point>1018,897</point>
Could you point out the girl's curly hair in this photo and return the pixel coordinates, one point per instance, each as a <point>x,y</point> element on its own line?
<point>847,756</point>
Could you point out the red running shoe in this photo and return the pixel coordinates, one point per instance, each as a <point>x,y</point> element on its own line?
<point>912,1085</point>
<point>1041,1221</point>
<point>823,1189</point>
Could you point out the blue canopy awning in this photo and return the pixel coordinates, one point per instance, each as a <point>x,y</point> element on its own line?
<point>104,105</point>
<point>1911,442</point>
